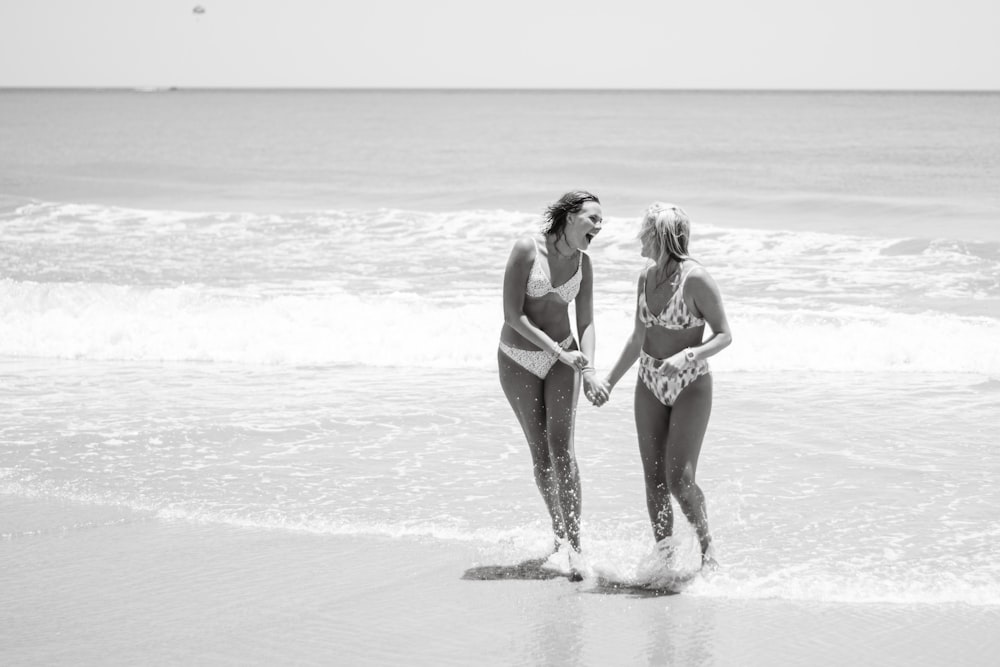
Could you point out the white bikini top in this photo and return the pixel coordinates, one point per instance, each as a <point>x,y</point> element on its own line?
<point>539,284</point>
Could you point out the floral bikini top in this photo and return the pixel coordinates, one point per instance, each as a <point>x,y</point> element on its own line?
<point>675,315</point>
<point>539,284</point>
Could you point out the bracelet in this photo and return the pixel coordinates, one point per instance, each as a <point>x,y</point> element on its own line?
<point>586,369</point>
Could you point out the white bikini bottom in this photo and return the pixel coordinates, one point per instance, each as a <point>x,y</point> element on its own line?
<point>538,362</point>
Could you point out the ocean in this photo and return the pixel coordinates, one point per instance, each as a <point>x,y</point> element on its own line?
<point>277,312</point>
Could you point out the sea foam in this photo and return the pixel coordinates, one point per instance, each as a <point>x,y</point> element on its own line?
<point>247,325</point>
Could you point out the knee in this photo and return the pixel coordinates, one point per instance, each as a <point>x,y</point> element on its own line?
<point>564,465</point>
<point>656,482</point>
<point>654,471</point>
<point>682,482</point>
<point>657,489</point>
<point>565,462</point>
<point>542,464</point>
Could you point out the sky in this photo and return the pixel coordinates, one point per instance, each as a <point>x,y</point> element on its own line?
<point>662,44</point>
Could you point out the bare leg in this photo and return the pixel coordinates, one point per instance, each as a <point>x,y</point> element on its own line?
<point>561,392</point>
<point>525,392</point>
<point>688,422</point>
<point>652,420</point>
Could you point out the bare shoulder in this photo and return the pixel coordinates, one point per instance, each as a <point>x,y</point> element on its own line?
<point>524,249</point>
<point>699,279</point>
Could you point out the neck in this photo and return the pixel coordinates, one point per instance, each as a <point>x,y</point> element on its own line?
<point>670,268</point>
<point>670,265</point>
<point>555,246</point>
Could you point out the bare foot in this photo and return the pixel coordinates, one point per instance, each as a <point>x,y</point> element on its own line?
<point>708,562</point>
<point>558,560</point>
<point>556,545</point>
<point>666,549</point>
<point>579,568</point>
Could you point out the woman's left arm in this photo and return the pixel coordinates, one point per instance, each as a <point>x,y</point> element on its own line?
<point>585,312</point>
<point>588,338</point>
<point>708,301</point>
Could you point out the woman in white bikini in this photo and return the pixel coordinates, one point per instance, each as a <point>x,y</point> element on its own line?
<point>541,365</point>
<point>673,396</point>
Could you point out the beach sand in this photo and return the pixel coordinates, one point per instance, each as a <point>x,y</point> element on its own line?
<point>93,585</point>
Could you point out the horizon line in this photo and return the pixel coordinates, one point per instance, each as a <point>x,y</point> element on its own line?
<point>458,89</point>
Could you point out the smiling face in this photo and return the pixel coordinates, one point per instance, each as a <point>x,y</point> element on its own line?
<point>584,225</point>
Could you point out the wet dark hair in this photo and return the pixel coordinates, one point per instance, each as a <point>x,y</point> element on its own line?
<point>571,202</point>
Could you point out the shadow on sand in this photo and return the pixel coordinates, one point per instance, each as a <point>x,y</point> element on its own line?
<point>530,570</point>
<point>607,587</point>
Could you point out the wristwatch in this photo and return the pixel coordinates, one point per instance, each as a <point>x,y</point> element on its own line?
<point>689,355</point>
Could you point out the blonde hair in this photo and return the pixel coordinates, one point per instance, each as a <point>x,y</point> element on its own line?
<point>668,229</point>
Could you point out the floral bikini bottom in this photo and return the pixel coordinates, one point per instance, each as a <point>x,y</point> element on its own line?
<point>667,389</point>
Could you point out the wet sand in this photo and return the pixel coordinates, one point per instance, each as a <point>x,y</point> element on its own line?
<point>93,585</point>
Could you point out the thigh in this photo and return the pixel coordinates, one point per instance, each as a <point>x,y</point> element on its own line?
<point>688,423</point>
<point>525,393</point>
<point>652,422</point>
<point>562,388</point>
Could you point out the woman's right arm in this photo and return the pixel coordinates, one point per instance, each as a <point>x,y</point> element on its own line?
<point>515,279</point>
<point>632,346</point>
